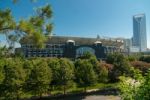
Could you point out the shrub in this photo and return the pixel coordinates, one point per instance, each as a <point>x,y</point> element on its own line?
<point>143,66</point>
<point>145,59</point>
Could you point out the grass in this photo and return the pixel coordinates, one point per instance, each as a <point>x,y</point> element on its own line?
<point>74,89</point>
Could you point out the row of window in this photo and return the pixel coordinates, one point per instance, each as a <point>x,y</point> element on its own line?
<point>47,46</point>
<point>44,55</point>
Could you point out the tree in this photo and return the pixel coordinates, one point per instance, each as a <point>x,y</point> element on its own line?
<point>36,27</point>
<point>2,70</point>
<point>145,59</point>
<point>27,67</point>
<point>131,87</point>
<point>7,24</point>
<point>54,64</point>
<point>32,30</point>
<point>102,73</point>
<point>39,78</point>
<point>144,90</point>
<point>121,66</point>
<point>84,72</point>
<point>65,73</point>
<point>14,79</point>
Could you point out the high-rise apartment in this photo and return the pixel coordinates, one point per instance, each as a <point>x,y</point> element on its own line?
<point>139,32</point>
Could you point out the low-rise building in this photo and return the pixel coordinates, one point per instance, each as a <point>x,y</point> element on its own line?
<point>72,47</point>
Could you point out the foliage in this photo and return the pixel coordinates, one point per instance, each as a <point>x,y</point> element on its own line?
<point>144,89</point>
<point>121,66</point>
<point>143,66</point>
<point>87,55</point>
<point>14,79</point>
<point>102,73</point>
<point>129,88</point>
<point>145,59</point>
<point>131,58</point>
<point>136,88</point>
<point>32,30</point>
<point>54,64</point>
<point>2,62</point>
<point>40,78</point>
<point>65,73</point>
<point>34,27</point>
<point>85,75</point>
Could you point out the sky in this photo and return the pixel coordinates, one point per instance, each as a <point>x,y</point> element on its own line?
<point>87,18</point>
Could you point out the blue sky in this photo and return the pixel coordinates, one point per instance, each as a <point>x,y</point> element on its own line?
<point>87,18</point>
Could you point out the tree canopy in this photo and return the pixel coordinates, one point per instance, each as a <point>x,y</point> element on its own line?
<point>33,30</point>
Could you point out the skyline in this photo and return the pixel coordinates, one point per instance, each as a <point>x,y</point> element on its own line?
<point>88,18</point>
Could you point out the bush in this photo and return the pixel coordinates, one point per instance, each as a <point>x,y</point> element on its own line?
<point>143,66</point>
<point>121,66</point>
<point>85,74</point>
<point>103,70</point>
<point>145,59</point>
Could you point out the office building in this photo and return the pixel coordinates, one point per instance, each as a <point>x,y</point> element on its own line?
<point>139,32</point>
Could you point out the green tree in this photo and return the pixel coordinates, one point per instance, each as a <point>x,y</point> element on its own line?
<point>36,27</point>
<point>1,70</point>
<point>102,73</point>
<point>65,73</point>
<point>130,86</point>
<point>32,30</point>
<point>144,89</point>
<point>39,78</point>
<point>145,58</point>
<point>14,79</point>
<point>121,66</point>
<point>54,64</point>
<point>85,75</point>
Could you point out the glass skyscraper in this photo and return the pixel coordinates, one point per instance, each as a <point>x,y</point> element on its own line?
<point>139,32</point>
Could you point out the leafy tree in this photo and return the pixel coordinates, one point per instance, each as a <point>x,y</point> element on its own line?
<point>40,78</point>
<point>65,73</point>
<point>102,73</point>
<point>54,64</point>
<point>129,88</point>
<point>85,75</point>
<point>14,79</point>
<point>27,66</point>
<point>112,58</point>
<point>32,30</point>
<point>121,66</point>
<point>7,25</point>
<point>144,89</point>
<point>145,58</point>
<point>1,70</point>
<point>36,27</point>
<point>86,55</point>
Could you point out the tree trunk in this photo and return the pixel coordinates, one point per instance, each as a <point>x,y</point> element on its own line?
<point>17,97</point>
<point>40,95</point>
<point>85,89</point>
<point>64,89</point>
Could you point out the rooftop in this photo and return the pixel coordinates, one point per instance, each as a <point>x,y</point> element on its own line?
<point>77,40</point>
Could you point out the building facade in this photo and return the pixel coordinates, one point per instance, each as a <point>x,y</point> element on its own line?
<point>139,32</point>
<point>72,47</point>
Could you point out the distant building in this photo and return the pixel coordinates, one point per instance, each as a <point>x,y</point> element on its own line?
<point>134,49</point>
<point>127,45</point>
<point>71,47</point>
<point>139,32</point>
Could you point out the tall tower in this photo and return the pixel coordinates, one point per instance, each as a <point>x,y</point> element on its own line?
<point>139,32</point>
